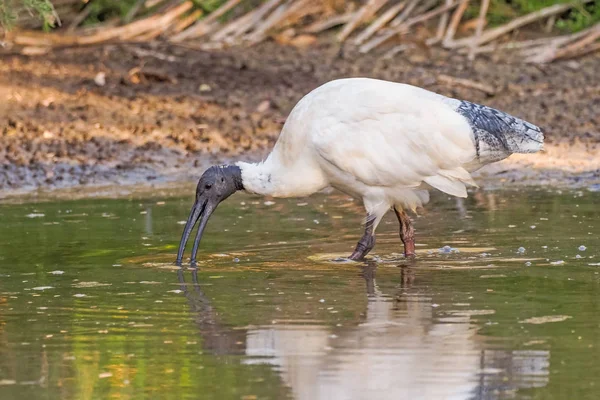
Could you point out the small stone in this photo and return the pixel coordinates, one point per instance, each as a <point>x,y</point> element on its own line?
<point>521,250</point>
<point>204,88</point>
<point>236,260</point>
<point>100,79</point>
<point>582,248</point>
<point>446,250</point>
<point>528,264</point>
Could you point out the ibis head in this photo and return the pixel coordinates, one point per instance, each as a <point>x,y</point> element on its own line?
<point>215,185</point>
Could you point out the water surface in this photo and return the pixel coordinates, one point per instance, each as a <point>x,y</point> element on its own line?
<point>91,306</point>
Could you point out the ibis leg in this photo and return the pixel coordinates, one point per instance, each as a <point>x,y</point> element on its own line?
<point>366,242</point>
<point>407,233</point>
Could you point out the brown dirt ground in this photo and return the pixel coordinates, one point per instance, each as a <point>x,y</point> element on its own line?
<point>166,112</point>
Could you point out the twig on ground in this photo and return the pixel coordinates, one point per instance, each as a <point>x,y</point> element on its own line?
<point>479,29</point>
<point>364,13</point>
<point>329,23</point>
<point>467,83</point>
<point>379,23</point>
<point>204,26</point>
<point>494,33</point>
<point>454,22</point>
<point>403,28</point>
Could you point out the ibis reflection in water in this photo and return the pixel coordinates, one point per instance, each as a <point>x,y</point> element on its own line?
<point>401,349</point>
<point>381,142</point>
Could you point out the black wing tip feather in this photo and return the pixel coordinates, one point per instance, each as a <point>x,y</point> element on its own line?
<point>498,128</point>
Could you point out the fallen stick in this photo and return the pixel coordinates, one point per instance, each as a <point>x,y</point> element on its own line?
<point>144,26</point>
<point>185,22</point>
<point>454,21</point>
<point>443,24</point>
<point>467,83</point>
<point>365,12</point>
<point>204,26</point>
<point>495,33</point>
<point>297,10</point>
<point>396,50</point>
<point>509,45</point>
<point>232,26</point>
<point>402,29</point>
<point>479,29</point>
<point>548,53</point>
<point>256,17</point>
<point>276,16</point>
<point>588,50</point>
<point>405,14</point>
<point>379,23</point>
<point>329,23</point>
<point>425,7</point>
<point>574,47</point>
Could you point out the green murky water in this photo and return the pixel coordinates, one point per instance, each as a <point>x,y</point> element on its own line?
<point>91,308</point>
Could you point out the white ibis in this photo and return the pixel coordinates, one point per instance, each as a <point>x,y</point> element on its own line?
<point>381,142</point>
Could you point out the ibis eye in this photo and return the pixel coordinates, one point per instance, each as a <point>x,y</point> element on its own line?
<point>207,186</point>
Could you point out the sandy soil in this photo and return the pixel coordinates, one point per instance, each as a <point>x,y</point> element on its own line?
<point>163,113</point>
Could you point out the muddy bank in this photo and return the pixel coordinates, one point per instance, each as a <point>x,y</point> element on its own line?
<point>141,113</point>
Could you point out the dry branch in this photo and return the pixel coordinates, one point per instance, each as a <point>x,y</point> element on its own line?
<point>467,83</point>
<point>454,21</point>
<point>405,14</point>
<point>365,12</point>
<point>329,23</point>
<point>379,23</point>
<point>479,29</point>
<point>204,26</point>
<point>403,28</point>
<point>495,33</point>
<point>442,25</point>
<point>276,16</point>
<point>554,52</point>
<point>185,22</point>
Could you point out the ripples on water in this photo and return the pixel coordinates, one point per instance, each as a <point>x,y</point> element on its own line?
<point>91,306</point>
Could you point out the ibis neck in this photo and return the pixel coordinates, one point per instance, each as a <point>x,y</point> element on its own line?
<point>272,178</point>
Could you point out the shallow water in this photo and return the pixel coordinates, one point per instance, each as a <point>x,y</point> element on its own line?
<point>91,306</point>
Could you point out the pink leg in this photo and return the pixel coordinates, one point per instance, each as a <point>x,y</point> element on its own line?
<point>407,233</point>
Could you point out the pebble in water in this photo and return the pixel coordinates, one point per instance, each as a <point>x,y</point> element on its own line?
<point>236,260</point>
<point>528,264</point>
<point>582,248</point>
<point>446,250</point>
<point>578,256</point>
<point>559,262</point>
<point>521,250</point>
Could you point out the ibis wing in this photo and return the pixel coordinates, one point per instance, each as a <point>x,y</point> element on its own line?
<point>401,144</point>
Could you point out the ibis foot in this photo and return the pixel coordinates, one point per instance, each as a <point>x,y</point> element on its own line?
<point>407,232</point>
<point>366,242</point>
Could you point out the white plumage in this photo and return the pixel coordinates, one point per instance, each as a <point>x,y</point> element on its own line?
<point>379,141</point>
<point>384,143</point>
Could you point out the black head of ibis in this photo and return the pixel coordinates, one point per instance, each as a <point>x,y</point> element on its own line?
<point>215,185</point>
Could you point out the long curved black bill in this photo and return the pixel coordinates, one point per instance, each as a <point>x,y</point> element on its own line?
<point>207,212</point>
<point>197,209</point>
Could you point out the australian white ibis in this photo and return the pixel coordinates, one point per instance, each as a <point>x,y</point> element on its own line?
<point>381,142</point>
